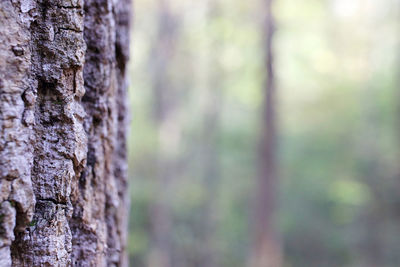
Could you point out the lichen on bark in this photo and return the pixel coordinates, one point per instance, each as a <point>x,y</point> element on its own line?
<point>62,123</point>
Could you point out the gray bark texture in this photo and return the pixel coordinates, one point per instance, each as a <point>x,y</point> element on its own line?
<point>63,171</point>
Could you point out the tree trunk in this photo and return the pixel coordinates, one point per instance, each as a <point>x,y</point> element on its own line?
<point>62,122</point>
<point>266,250</point>
<point>210,154</point>
<point>168,129</point>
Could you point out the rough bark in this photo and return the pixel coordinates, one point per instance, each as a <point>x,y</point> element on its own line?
<point>266,250</point>
<point>62,123</point>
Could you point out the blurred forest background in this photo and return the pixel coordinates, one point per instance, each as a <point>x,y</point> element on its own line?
<point>198,72</point>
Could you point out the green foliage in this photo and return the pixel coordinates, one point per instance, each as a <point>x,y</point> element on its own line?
<point>337,81</point>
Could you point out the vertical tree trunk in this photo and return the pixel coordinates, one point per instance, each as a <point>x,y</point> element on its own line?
<point>213,76</point>
<point>266,251</point>
<point>62,123</point>
<point>211,162</point>
<point>168,130</point>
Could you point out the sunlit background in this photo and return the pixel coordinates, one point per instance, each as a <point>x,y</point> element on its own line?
<point>196,91</point>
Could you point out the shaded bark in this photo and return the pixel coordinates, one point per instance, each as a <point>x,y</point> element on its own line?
<point>266,249</point>
<point>63,121</point>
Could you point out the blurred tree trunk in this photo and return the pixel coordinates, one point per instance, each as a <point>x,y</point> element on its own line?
<point>62,122</point>
<point>210,153</point>
<point>168,129</point>
<point>373,217</point>
<point>266,248</point>
<point>211,168</point>
<point>211,181</point>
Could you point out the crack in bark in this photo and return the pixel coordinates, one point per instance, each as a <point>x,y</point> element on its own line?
<point>54,201</point>
<point>69,29</point>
